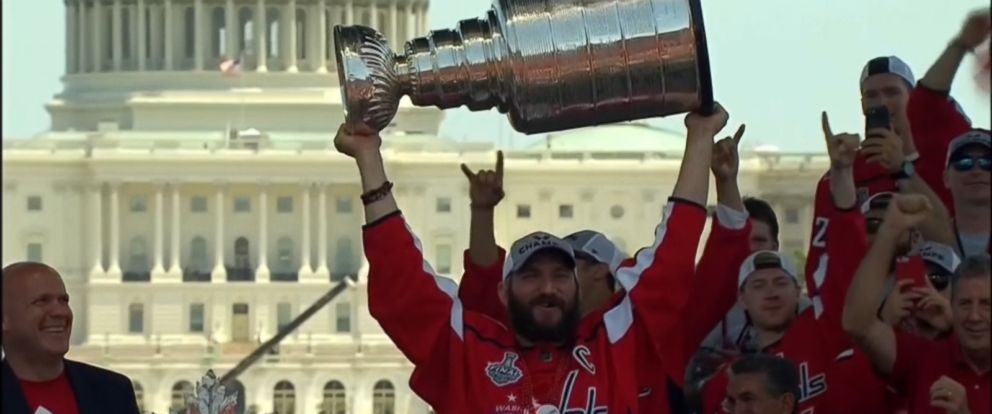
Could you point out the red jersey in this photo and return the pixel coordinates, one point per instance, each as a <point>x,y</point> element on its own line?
<point>921,362</point>
<point>816,341</point>
<point>478,289</point>
<point>466,362</point>
<point>935,120</point>
<point>56,395</point>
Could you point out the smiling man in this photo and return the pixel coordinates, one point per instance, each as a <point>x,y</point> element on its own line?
<point>37,324</point>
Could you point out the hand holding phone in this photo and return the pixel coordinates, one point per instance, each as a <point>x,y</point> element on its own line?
<point>877,117</point>
<point>912,268</point>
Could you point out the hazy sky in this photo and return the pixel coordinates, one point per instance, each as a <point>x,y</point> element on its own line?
<point>776,63</point>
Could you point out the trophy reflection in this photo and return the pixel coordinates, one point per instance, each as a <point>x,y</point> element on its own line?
<point>548,64</point>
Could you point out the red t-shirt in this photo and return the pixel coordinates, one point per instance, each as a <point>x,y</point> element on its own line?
<point>921,362</point>
<point>56,395</point>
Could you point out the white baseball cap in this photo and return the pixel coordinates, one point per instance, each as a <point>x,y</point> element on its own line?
<point>972,137</point>
<point>766,259</point>
<point>598,246</point>
<point>527,246</point>
<point>880,200</point>
<point>888,64</point>
<point>941,255</point>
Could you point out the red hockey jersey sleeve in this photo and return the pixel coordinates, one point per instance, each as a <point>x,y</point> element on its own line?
<point>478,288</point>
<point>847,246</point>
<point>416,308</point>
<point>714,288</point>
<point>935,121</point>
<point>659,282</point>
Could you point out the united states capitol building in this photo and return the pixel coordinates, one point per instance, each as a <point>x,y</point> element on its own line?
<point>192,214</point>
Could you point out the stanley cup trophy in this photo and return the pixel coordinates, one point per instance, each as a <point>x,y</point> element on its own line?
<point>549,64</point>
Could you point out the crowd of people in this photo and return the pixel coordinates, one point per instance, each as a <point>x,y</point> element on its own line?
<point>895,317</point>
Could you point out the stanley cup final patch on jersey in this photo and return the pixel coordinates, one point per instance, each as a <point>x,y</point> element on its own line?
<point>505,372</point>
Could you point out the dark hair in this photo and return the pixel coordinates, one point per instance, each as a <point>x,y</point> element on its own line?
<point>760,210</point>
<point>781,374</point>
<point>974,267</point>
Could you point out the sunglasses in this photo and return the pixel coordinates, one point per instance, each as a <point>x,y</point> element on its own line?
<point>872,225</point>
<point>940,281</point>
<point>968,163</point>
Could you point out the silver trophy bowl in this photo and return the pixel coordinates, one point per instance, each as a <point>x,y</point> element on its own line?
<point>549,64</point>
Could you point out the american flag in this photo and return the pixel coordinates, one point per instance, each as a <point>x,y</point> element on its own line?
<point>231,67</point>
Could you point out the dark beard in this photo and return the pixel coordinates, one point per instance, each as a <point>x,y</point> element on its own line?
<point>522,320</point>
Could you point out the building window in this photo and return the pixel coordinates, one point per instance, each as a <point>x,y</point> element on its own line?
<point>242,204</point>
<point>523,210</point>
<point>283,398</point>
<point>442,205</point>
<point>34,253</point>
<point>137,268</point>
<point>443,259</point>
<point>34,203</point>
<point>334,399</point>
<point>284,256</point>
<point>343,205</point>
<point>616,211</point>
<point>138,204</point>
<point>566,211</point>
<point>342,317</point>
<point>196,317</point>
<point>284,204</point>
<point>180,391</point>
<point>383,398</point>
<point>344,260</point>
<point>198,254</point>
<point>792,215</point>
<point>284,315</point>
<point>198,204</point>
<point>136,318</point>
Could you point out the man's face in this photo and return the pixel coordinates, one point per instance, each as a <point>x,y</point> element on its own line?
<point>971,310</point>
<point>761,237</point>
<point>593,283</point>
<point>37,319</point>
<point>969,186</point>
<point>888,90</point>
<point>748,394</point>
<point>770,297</point>
<point>543,298</point>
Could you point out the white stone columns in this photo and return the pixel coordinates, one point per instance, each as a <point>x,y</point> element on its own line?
<point>320,58</point>
<point>158,271</point>
<point>411,21</point>
<point>349,12</point>
<point>116,34</point>
<point>96,230</point>
<point>394,37</point>
<point>289,57</point>
<point>219,274</point>
<point>262,273</point>
<point>322,272</point>
<point>170,32</point>
<point>142,32</point>
<point>115,232</point>
<point>374,15</point>
<point>261,52</point>
<point>231,30</point>
<point>175,269</point>
<point>306,272</point>
<point>197,35</point>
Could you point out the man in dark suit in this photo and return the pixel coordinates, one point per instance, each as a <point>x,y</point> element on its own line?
<point>37,379</point>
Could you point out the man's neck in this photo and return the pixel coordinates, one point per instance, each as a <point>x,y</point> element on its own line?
<point>38,370</point>
<point>768,337</point>
<point>972,218</point>
<point>978,359</point>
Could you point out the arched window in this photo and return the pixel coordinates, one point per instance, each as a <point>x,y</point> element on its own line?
<point>246,41</point>
<point>283,398</point>
<point>273,36</point>
<point>242,270</point>
<point>383,398</point>
<point>344,259</point>
<point>218,32</point>
<point>180,391</point>
<point>301,34</point>
<point>238,387</point>
<point>137,262</point>
<point>139,396</point>
<point>189,31</point>
<point>334,399</point>
<point>284,256</point>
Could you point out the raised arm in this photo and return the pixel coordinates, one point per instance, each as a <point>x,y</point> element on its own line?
<point>974,31</point>
<point>405,296</point>
<point>484,259</point>
<point>658,284</point>
<point>876,338</point>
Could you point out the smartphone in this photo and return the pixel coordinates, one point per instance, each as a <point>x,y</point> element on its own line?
<point>877,117</point>
<point>912,268</point>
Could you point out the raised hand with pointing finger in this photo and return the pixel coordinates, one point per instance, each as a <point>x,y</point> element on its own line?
<point>485,186</point>
<point>726,162</point>
<point>841,147</point>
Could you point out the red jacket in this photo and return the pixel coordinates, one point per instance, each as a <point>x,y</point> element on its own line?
<point>935,121</point>
<point>466,362</point>
<point>829,381</point>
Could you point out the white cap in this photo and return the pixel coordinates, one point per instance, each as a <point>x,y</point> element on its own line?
<point>972,137</point>
<point>766,259</point>
<point>941,255</point>
<point>888,64</point>
<point>879,200</point>
<point>525,247</point>
<point>598,246</point>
